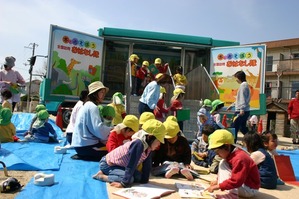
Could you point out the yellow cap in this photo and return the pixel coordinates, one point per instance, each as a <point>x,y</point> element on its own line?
<point>172,129</point>
<point>133,56</point>
<point>146,116</point>
<point>130,121</point>
<point>219,138</point>
<point>162,89</point>
<point>178,91</point>
<point>158,76</point>
<point>145,63</point>
<point>155,128</point>
<point>172,118</point>
<point>158,61</point>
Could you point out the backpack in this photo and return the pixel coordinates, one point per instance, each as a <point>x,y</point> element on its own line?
<point>10,185</point>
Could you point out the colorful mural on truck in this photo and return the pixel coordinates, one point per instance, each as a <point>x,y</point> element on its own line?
<point>75,61</point>
<point>226,61</point>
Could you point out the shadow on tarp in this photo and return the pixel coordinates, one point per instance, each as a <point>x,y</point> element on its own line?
<point>30,156</point>
<point>294,156</point>
<point>72,180</point>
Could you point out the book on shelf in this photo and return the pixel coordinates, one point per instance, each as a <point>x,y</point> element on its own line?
<point>193,190</point>
<point>144,191</point>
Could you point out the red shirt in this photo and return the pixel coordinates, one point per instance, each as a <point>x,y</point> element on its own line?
<point>141,73</point>
<point>176,105</point>
<point>293,109</point>
<point>161,105</point>
<point>115,140</point>
<point>244,171</point>
<point>163,69</point>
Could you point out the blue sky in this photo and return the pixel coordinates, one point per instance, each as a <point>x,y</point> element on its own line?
<point>25,22</point>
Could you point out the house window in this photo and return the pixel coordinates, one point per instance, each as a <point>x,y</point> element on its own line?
<point>295,86</point>
<point>295,55</point>
<point>269,63</point>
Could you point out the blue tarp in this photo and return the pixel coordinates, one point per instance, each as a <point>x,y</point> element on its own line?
<point>30,155</point>
<point>72,180</point>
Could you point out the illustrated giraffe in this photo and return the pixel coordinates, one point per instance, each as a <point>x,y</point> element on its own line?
<point>71,65</point>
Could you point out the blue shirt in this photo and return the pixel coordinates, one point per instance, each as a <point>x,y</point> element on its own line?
<point>89,128</point>
<point>41,134</point>
<point>151,95</point>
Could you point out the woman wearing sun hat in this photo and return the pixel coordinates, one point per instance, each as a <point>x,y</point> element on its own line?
<point>119,167</point>
<point>90,132</point>
<point>9,79</point>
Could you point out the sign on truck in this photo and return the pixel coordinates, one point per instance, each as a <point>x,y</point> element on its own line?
<point>226,61</point>
<point>74,62</point>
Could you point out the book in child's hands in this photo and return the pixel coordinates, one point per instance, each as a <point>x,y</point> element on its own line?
<point>194,190</point>
<point>143,191</point>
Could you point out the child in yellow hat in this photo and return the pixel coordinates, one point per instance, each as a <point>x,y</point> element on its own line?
<point>238,174</point>
<point>122,132</point>
<point>161,109</point>
<point>177,103</point>
<point>119,167</point>
<point>174,156</point>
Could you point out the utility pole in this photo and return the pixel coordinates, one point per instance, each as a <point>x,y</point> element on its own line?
<point>34,45</point>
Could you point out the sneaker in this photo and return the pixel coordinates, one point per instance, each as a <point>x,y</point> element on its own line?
<point>171,172</point>
<point>280,182</point>
<point>185,172</point>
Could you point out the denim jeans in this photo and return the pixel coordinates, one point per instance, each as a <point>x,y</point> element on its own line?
<point>240,124</point>
<point>117,173</point>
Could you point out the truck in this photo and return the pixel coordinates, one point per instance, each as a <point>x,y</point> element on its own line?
<point>76,59</point>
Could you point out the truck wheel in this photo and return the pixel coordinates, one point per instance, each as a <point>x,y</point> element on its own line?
<point>66,115</point>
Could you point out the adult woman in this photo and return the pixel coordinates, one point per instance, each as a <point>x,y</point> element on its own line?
<point>242,108</point>
<point>9,79</point>
<point>90,133</point>
<point>149,99</point>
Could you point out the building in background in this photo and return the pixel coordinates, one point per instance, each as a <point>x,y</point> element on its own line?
<point>282,80</point>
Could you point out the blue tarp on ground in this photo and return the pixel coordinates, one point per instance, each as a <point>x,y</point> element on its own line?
<point>30,155</point>
<point>72,180</point>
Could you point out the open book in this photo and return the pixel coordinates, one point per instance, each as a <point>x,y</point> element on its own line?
<point>194,190</point>
<point>143,191</point>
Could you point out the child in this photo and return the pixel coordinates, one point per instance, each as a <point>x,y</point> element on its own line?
<point>7,129</point>
<point>145,116</point>
<point>119,107</point>
<point>107,114</point>
<point>263,160</point>
<point>141,74</point>
<point>41,129</point>
<point>122,132</point>
<point>174,156</point>
<point>201,155</point>
<point>134,67</point>
<point>253,122</point>
<point>161,108</point>
<point>119,167</point>
<point>204,117</point>
<point>70,127</point>
<point>179,79</point>
<point>38,108</point>
<point>216,107</point>
<point>270,142</point>
<point>237,172</point>
<point>6,99</point>
<point>176,104</point>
